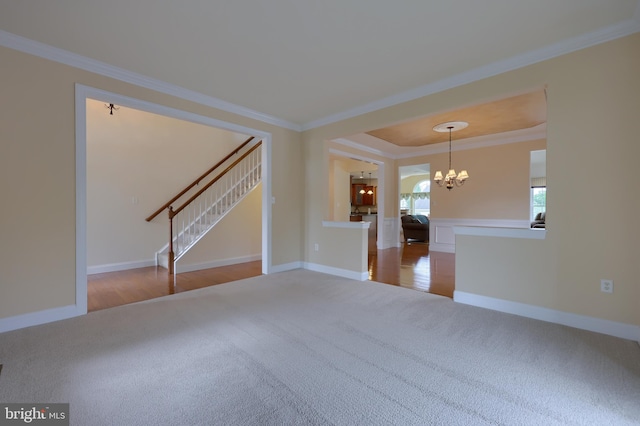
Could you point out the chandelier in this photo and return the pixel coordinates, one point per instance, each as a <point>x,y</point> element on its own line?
<point>451,177</point>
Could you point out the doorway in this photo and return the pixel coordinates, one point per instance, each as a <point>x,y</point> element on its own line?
<point>83,94</point>
<point>349,173</point>
<point>415,192</point>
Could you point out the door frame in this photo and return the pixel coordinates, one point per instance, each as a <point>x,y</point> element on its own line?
<point>82,93</point>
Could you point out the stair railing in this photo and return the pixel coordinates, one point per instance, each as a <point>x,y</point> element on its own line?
<point>199,179</point>
<point>211,202</point>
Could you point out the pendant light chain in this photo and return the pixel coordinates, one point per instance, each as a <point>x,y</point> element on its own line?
<point>450,127</point>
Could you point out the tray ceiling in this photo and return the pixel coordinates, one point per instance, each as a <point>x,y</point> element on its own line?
<point>515,113</point>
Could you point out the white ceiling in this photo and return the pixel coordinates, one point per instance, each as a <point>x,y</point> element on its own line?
<point>303,63</point>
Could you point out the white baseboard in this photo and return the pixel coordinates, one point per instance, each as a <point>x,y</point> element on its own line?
<point>286,267</point>
<point>40,317</point>
<point>216,263</point>
<point>360,276</point>
<point>612,328</point>
<point>122,266</point>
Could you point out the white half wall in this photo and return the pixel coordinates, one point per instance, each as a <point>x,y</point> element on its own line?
<point>443,238</point>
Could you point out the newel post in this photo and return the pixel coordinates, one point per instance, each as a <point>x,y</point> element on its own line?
<point>170,254</point>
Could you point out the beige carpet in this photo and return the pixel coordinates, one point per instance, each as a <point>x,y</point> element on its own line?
<point>306,348</point>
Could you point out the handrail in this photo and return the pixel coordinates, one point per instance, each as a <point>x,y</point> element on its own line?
<point>197,181</point>
<point>222,192</point>
<point>172,212</point>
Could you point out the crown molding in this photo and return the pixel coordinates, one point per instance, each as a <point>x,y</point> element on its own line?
<point>65,57</point>
<point>612,32</point>
<point>126,101</point>
<point>524,135</point>
<point>360,147</point>
<point>25,45</point>
<point>516,136</point>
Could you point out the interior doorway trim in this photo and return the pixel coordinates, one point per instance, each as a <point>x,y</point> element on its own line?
<point>380,192</point>
<point>82,93</point>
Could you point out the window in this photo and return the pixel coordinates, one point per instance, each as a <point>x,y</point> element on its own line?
<point>422,186</point>
<point>538,174</point>
<point>538,201</point>
<point>418,201</point>
<point>422,198</point>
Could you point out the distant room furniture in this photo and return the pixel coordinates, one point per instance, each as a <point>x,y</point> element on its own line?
<point>539,220</point>
<point>415,227</point>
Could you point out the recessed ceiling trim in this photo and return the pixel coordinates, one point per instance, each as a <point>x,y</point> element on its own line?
<point>516,136</point>
<point>23,44</point>
<point>602,35</point>
<point>352,156</point>
<point>538,132</point>
<point>361,147</point>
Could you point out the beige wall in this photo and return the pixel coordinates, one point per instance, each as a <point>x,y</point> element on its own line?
<point>37,179</point>
<point>592,126</point>
<point>339,190</point>
<point>508,268</point>
<point>342,248</point>
<point>237,236</point>
<point>497,189</point>
<point>591,229</point>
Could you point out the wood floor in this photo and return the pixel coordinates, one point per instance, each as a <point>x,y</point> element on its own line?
<point>411,266</point>
<point>111,289</point>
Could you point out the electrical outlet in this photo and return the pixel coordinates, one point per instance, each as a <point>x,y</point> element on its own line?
<point>606,286</point>
<point>316,246</point>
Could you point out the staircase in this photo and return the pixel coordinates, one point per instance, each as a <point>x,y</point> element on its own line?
<point>192,220</point>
